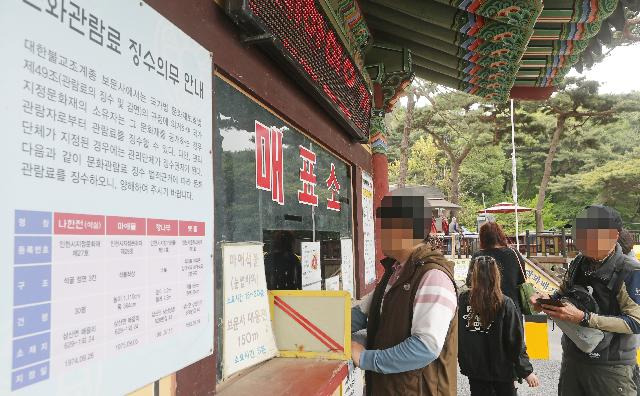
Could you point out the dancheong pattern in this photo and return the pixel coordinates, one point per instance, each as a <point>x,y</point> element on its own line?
<point>486,47</point>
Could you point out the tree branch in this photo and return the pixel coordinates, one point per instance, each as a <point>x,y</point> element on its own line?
<point>438,111</point>
<point>578,114</point>
<point>440,143</point>
<point>465,152</point>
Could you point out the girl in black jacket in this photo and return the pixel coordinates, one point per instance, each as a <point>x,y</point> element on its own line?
<point>493,243</point>
<point>490,335</point>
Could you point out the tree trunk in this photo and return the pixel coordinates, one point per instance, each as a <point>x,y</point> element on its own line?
<point>555,140</point>
<point>455,181</point>
<point>404,143</point>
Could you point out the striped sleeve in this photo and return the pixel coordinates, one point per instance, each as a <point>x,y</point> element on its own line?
<point>434,307</point>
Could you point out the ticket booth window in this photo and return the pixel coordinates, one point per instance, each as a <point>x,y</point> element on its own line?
<point>276,185</point>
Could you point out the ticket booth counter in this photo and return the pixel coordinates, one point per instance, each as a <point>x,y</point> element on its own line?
<point>312,335</point>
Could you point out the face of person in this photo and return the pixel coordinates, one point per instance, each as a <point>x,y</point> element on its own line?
<point>397,236</point>
<point>596,243</point>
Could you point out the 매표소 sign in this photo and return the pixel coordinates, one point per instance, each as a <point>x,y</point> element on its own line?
<point>270,170</point>
<point>106,229</point>
<point>307,43</point>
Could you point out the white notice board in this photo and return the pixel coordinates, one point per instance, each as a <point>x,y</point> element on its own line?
<point>353,385</point>
<point>368,227</point>
<point>106,226</point>
<point>311,271</point>
<point>346,266</point>
<point>248,336</point>
<point>461,269</point>
<point>332,283</point>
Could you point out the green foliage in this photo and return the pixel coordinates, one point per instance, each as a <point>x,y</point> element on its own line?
<point>597,160</point>
<point>615,183</point>
<point>424,166</point>
<point>527,220</point>
<point>485,171</point>
<point>467,216</point>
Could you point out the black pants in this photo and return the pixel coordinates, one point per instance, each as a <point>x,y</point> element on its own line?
<point>488,388</point>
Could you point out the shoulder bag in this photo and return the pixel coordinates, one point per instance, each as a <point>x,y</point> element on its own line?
<point>525,290</point>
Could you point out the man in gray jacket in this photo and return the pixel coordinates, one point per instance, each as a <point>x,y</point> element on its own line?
<point>614,281</point>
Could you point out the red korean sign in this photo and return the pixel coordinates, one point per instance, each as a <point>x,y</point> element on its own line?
<point>270,167</point>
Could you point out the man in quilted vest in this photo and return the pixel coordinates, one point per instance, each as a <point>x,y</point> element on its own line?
<point>411,345</point>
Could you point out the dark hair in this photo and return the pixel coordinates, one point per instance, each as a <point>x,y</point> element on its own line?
<point>485,297</point>
<point>405,212</point>
<point>491,235</point>
<point>626,241</point>
<point>599,217</point>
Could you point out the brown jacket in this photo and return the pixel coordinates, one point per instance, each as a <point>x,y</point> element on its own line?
<point>393,325</point>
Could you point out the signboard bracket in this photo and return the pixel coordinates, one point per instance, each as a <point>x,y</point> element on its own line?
<point>258,39</point>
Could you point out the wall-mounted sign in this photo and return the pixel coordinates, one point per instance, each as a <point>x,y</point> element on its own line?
<point>368,229</point>
<point>247,334</point>
<point>270,169</point>
<point>346,266</point>
<point>106,228</point>
<point>353,385</point>
<point>311,271</point>
<point>332,283</point>
<point>461,269</point>
<point>300,36</point>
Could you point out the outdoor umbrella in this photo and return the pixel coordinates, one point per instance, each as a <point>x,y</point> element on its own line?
<point>505,207</point>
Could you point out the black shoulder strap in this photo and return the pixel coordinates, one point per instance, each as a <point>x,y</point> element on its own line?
<point>620,272</point>
<point>570,276</point>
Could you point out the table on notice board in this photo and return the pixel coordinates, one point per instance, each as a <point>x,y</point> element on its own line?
<point>90,286</point>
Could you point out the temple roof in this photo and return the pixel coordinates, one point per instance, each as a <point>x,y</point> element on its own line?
<point>494,48</point>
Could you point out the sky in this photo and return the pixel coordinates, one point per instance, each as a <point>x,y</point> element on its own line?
<point>617,73</point>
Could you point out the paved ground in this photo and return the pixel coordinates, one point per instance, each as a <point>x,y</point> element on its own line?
<point>547,370</point>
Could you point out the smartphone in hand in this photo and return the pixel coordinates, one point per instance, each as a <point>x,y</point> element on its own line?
<point>550,301</point>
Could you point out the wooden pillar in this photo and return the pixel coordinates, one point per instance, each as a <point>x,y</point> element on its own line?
<point>378,142</point>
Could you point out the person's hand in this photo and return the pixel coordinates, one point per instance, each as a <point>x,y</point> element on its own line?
<point>356,350</point>
<point>532,380</point>
<point>568,313</point>
<point>534,300</point>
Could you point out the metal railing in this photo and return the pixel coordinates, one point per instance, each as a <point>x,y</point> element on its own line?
<point>548,243</point>
<point>465,245</point>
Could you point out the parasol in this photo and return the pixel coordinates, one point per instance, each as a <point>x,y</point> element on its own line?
<point>505,207</point>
